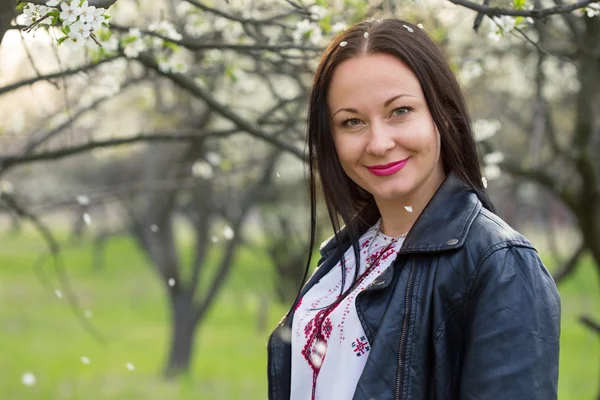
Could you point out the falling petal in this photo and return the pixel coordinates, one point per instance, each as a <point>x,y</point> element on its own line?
<point>213,158</point>
<point>484,180</point>
<point>202,169</point>
<point>408,28</point>
<point>6,186</point>
<point>420,26</point>
<point>214,239</point>
<point>171,282</point>
<point>366,35</point>
<point>83,200</point>
<point>278,175</point>
<point>408,208</point>
<point>130,366</point>
<point>85,360</point>
<point>28,379</point>
<point>87,219</point>
<point>87,314</point>
<point>285,333</point>
<point>58,293</point>
<point>228,233</point>
<point>343,44</point>
<point>154,228</point>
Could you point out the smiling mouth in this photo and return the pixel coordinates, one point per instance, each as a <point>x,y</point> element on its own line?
<point>388,169</point>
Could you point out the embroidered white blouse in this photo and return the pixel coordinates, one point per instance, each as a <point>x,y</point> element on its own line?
<point>329,345</point>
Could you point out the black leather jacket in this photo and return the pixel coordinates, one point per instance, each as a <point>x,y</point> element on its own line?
<point>467,311</point>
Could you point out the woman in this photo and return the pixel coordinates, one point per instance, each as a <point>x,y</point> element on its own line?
<point>447,302</point>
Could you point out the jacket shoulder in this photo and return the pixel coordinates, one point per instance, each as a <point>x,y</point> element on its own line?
<point>490,232</point>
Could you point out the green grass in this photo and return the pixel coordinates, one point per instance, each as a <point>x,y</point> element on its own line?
<point>39,333</point>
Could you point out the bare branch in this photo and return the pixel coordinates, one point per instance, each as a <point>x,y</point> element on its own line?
<point>569,267</point>
<point>232,17</point>
<point>54,250</point>
<point>37,140</point>
<point>590,323</point>
<point>54,75</point>
<point>187,136</point>
<point>191,86</point>
<point>95,3</point>
<point>534,13</point>
<point>191,43</point>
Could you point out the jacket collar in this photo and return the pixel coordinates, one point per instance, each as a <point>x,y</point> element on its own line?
<point>443,225</point>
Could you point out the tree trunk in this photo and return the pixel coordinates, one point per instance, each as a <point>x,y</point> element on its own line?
<point>183,328</point>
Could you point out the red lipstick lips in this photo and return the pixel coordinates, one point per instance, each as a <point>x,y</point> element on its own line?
<point>387,169</point>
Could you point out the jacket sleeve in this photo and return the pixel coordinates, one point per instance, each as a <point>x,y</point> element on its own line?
<point>512,330</point>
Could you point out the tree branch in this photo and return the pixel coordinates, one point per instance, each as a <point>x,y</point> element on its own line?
<point>95,3</point>
<point>187,136</point>
<point>54,250</point>
<point>54,75</point>
<point>569,267</point>
<point>534,13</point>
<point>590,323</point>
<point>192,43</point>
<point>190,85</point>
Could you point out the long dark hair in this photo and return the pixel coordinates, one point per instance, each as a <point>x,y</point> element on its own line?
<point>413,46</point>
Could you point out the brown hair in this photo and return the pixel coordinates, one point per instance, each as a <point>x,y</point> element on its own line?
<point>445,100</point>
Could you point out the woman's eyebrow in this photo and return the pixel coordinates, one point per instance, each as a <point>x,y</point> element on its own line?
<point>385,104</point>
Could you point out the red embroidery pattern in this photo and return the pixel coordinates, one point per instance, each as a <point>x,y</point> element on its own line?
<point>318,329</point>
<point>361,346</point>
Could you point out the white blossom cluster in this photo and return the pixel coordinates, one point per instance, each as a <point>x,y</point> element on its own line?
<point>505,24</point>
<point>78,20</point>
<point>592,10</point>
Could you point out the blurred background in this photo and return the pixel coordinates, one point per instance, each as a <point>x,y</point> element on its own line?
<point>153,208</point>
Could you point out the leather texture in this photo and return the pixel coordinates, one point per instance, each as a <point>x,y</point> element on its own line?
<point>467,311</point>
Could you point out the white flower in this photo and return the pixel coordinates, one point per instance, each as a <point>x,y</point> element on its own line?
<point>213,158</point>
<point>88,14</point>
<point>317,12</point>
<point>302,28</point>
<point>83,200</point>
<point>53,3</point>
<point>28,379</point>
<point>484,129</point>
<point>81,29</point>
<point>111,44</point>
<point>202,169</point>
<point>338,27</point>
<point>98,18</point>
<point>133,49</point>
<point>592,10</point>
<point>228,232</point>
<point>165,28</point>
<point>492,171</point>
<point>493,158</point>
<point>70,11</point>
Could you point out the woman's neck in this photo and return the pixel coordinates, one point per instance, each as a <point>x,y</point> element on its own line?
<point>398,215</point>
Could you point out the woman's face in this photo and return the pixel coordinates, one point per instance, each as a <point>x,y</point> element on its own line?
<point>383,132</point>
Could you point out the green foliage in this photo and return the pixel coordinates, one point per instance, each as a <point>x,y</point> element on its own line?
<point>40,334</point>
<point>519,4</point>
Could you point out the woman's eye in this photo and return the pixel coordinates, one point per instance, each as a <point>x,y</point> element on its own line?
<point>401,111</point>
<point>351,122</point>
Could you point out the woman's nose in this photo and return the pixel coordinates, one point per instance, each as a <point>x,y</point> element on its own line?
<point>380,140</point>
